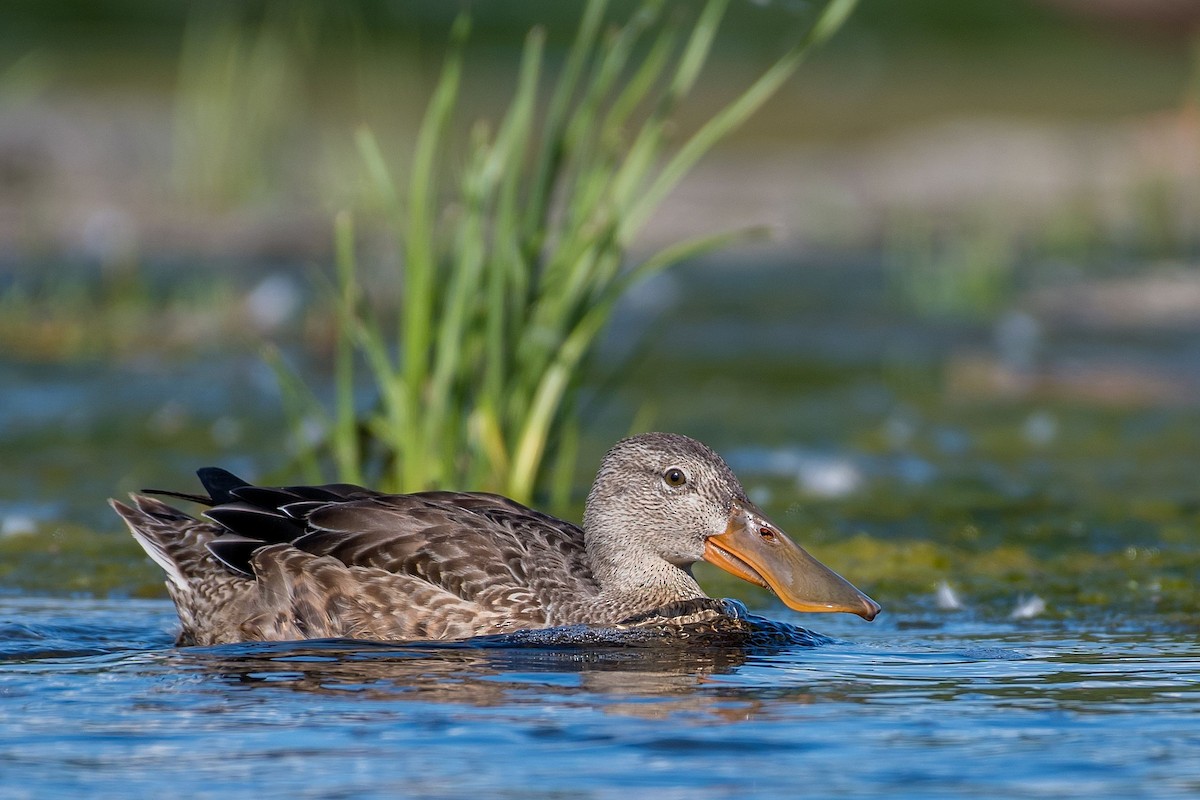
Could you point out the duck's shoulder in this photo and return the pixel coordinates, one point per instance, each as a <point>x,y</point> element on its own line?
<point>442,516</point>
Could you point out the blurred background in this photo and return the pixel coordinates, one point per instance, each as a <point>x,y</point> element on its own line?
<point>967,356</point>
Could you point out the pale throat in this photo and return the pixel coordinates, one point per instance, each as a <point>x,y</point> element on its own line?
<point>636,575</point>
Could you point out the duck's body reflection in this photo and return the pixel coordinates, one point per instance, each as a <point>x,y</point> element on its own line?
<point>658,667</point>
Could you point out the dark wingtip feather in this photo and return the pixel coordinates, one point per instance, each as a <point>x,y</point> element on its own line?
<point>220,484</point>
<point>235,554</point>
<point>261,524</point>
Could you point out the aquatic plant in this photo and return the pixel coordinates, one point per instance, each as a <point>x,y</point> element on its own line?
<point>965,270</point>
<point>236,98</point>
<point>59,314</point>
<point>507,285</point>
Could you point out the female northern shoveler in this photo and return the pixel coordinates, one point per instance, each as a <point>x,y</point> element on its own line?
<point>309,562</point>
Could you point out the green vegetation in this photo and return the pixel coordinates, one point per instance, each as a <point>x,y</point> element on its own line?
<point>967,273</point>
<point>71,559</point>
<point>60,315</point>
<point>508,284</point>
<point>236,98</point>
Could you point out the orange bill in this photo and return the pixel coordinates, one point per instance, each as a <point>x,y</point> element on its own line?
<point>754,549</point>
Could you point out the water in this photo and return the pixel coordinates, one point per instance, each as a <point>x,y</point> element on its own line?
<point>848,420</point>
<point>95,701</point>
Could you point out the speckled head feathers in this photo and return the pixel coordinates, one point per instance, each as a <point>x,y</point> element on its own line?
<point>650,455</point>
<point>662,491</point>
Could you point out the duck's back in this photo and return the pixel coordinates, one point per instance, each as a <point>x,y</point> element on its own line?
<point>342,561</point>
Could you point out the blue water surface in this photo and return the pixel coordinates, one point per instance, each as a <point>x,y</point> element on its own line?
<point>96,701</point>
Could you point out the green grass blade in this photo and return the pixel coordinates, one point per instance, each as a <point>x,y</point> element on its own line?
<point>549,156</point>
<point>301,408</point>
<point>506,294</point>
<point>506,243</point>
<point>420,240</point>
<point>378,172</point>
<point>696,52</point>
<point>344,441</point>
<point>832,18</point>
<point>640,84</point>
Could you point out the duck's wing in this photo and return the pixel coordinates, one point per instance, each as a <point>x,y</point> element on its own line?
<point>428,565</point>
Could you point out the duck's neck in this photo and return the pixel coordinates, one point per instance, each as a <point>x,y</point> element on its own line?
<point>633,579</point>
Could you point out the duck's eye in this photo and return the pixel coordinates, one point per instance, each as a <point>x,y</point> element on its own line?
<point>674,477</point>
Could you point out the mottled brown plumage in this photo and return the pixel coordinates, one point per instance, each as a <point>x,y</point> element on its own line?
<point>347,562</point>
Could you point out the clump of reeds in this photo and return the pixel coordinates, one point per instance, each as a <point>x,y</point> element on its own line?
<point>504,298</point>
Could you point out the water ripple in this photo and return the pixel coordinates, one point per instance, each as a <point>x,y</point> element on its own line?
<point>94,700</point>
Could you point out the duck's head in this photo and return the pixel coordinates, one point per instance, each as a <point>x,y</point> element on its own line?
<point>665,496</point>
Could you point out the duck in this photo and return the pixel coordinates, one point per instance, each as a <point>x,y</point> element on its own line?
<point>340,561</point>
